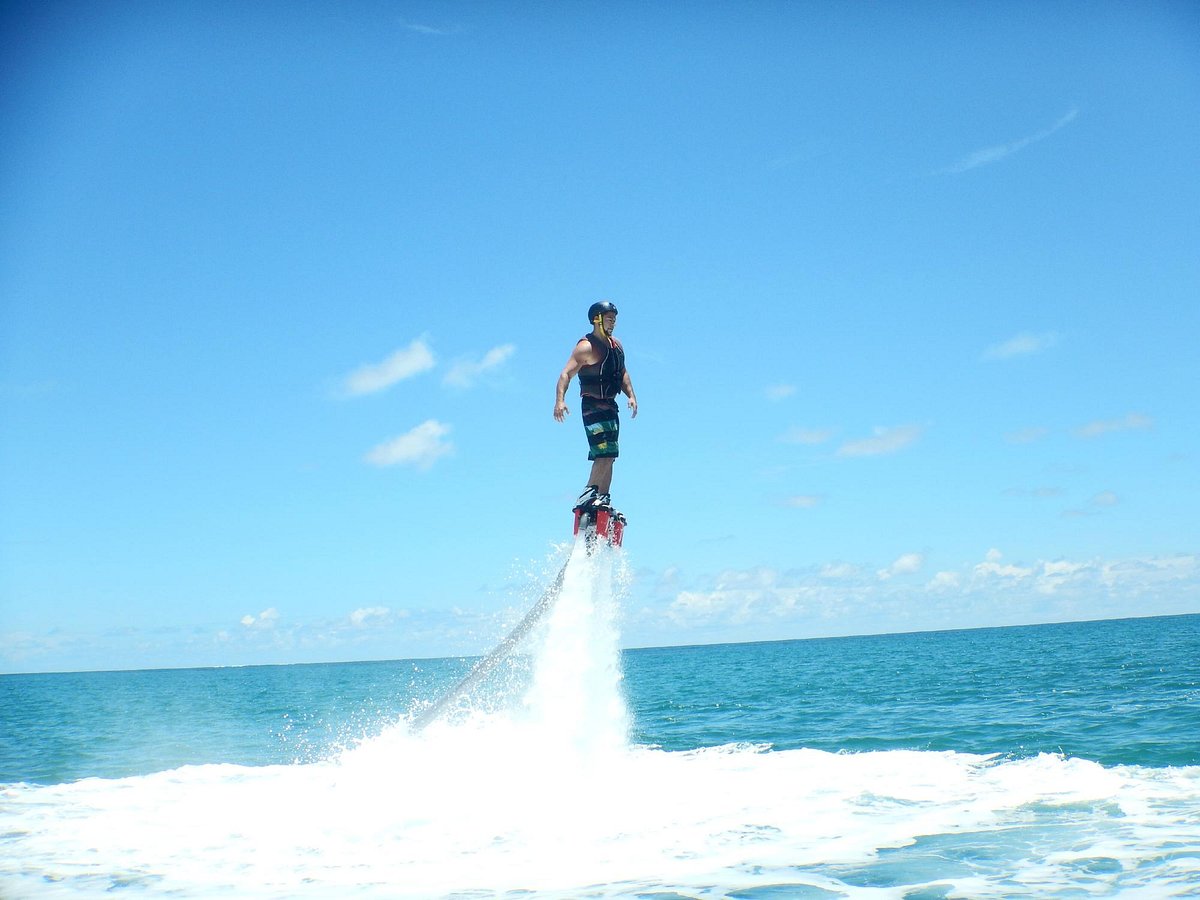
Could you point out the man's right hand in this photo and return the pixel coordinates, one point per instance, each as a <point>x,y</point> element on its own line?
<point>560,410</point>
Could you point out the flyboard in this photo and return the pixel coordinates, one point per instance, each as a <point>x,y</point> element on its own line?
<point>592,525</point>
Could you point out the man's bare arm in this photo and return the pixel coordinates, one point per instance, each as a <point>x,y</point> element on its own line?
<point>627,390</point>
<point>579,359</point>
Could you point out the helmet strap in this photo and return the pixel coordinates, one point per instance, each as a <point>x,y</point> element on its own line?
<point>599,321</point>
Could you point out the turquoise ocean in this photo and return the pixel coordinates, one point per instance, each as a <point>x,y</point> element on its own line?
<point>1041,761</point>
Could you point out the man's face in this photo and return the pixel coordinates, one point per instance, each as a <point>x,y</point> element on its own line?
<point>610,321</point>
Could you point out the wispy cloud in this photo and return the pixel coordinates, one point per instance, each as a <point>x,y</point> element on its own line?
<point>464,372</point>
<point>1094,507</point>
<point>884,441</point>
<point>997,152</point>
<point>406,362</point>
<point>777,392</point>
<point>798,435</point>
<point>437,31</point>
<point>1024,344</point>
<point>420,447</point>
<point>1131,422</point>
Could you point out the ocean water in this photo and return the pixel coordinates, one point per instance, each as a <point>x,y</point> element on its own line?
<point>1048,761</point>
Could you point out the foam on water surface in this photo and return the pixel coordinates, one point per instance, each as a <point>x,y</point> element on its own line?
<point>475,808</point>
<point>547,795</point>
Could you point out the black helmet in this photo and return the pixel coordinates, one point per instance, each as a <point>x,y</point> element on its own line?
<point>599,309</point>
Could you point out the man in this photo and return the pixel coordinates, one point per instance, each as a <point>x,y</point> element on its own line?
<point>599,360</point>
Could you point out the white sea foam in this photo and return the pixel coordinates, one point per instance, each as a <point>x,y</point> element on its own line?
<point>550,797</point>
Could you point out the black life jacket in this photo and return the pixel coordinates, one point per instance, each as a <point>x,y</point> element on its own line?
<point>604,378</point>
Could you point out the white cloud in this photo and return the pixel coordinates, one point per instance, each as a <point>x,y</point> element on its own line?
<point>1139,575</point>
<point>797,435</point>
<point>802,501</point>
<point>997,152</point>
<point>885,440</point>
<point>675,607</point>
<point>838,570</point>
<point>944,581</point>
<point>689,604</point>
<point>737,597</point>
<point>991,568</point>
<point>904,565</point>
<point>1056,575</point>
<point>464,372</point>
<point>780,391</point>
<point>363,615</point>
<point>265,619</point>
<point>404,363</point>
<point>1131,422</point>
<point>420,447</point>
<point>1042,578</point>
<point>764,604</point>
<point>1024,344</point>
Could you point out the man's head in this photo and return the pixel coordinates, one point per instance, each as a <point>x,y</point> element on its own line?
<point>604,315</point>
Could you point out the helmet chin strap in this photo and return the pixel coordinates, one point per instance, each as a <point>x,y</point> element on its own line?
<point>599,321</point>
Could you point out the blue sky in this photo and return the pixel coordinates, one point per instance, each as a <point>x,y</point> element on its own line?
<point>908,291</point>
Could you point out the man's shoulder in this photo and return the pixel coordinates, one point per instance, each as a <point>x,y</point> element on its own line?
<point>584,350</point>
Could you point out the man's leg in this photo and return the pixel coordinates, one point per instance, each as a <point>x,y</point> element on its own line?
<point>602,472</point>
<point>603,428</point>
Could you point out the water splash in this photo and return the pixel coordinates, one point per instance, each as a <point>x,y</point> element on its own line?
<point>562,660</point>
<point>575,700</point>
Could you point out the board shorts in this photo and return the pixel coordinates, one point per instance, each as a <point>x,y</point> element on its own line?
<point>602,426</point>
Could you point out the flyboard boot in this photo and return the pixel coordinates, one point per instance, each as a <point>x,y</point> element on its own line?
<point>596,518</point>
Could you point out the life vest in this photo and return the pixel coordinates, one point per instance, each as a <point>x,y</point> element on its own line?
<point>604,378</point>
